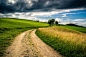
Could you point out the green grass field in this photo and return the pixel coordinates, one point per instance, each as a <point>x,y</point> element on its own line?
<point>81,29</point>
<point>65,41</point>
<point>9,28</point>
<point>68,42</point>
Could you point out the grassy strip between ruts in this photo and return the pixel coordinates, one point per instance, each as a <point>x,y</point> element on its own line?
<point>9,28</point>
<point>69,43</point>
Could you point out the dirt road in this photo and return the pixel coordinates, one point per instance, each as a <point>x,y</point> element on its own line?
<point>27,44</point>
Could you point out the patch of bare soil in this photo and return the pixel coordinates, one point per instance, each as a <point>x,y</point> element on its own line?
<point>27,44</point>
<point>44,49</point>
<point>22,46</point>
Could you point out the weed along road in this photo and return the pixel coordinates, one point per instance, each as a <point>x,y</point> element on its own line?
<point>27,44</point>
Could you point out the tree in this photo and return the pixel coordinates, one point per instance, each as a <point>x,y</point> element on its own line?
<point>56,22</point>
<point>51,21</point>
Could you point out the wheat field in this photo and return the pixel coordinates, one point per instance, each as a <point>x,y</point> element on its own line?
<point>70,40</point>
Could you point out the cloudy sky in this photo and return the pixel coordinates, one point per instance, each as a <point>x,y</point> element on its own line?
<point>64,11</point>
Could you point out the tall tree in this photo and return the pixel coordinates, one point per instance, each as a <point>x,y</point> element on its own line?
<point>56,22</point>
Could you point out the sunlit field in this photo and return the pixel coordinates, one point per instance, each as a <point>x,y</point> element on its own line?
<point>9,28</point>
<point>81,29</point>
<point>19,23</point>
<point>68,42</point>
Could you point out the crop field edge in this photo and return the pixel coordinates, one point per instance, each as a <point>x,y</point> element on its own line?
<point>61,46</point>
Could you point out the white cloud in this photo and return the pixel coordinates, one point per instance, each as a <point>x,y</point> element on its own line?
<point>58,19</point>
<point>30,3</point>
<point>68,10</point>
<point>37,14</point>
<point>17,13</point>
<point>47,3</point>
<point>79,20</point>
<point>43,20</point>
<point>1,14</point>
<point>40,14</point>
<point>64,15</point>
<point>82,24</point>
<point>12,1</point>
<point>72,13</point>
<point>64,23</point>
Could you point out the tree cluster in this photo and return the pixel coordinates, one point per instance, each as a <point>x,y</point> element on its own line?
<point>52,22</point>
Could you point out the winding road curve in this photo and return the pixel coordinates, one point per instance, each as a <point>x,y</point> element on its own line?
<point>27,44</point>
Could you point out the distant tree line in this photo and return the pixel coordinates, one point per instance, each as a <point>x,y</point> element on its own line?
<point>71,24</point>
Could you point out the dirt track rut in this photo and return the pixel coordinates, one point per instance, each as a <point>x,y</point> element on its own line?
<point>27,44</point>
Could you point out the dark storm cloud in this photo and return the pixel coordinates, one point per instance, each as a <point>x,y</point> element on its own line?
<point>40,5</point>
<point>4,7</point>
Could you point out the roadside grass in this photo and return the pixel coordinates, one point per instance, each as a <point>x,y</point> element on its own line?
<point>80,29</point>
<point>68,42</point>
<point>10,28</point>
